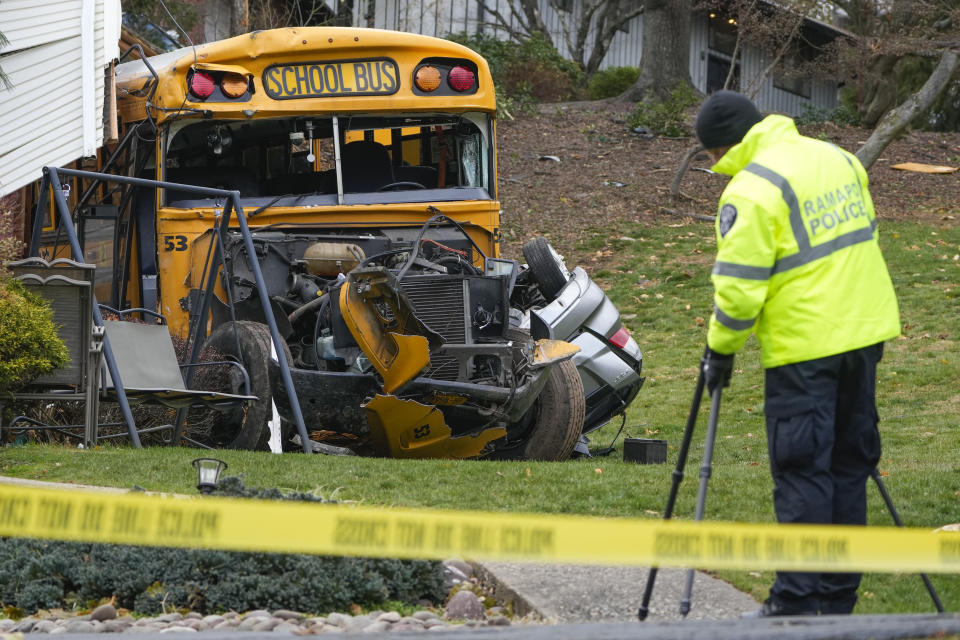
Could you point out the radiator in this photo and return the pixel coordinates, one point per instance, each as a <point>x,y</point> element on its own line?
<point>440,303</point>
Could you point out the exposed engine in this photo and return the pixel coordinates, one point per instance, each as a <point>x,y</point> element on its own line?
<point>464,313</point>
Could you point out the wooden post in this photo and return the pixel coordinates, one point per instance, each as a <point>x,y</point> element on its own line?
<point>113,135</point>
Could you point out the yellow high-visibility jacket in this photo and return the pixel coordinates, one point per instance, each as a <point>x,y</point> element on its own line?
<point>798,261</point>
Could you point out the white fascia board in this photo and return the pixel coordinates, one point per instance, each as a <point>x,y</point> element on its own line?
<point>88,119</point>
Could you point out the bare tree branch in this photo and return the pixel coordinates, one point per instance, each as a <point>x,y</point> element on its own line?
<point>684,165</point>
<point>598,21</point>
<point>502,22</point>
<point>896,120</point>
<point>757,82</point>
<point>534,20</point>
<point>612,18</point>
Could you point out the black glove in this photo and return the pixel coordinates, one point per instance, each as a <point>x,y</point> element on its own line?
<point>716,369</point>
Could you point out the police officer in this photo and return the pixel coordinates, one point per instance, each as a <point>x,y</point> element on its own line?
<point>799,266</point>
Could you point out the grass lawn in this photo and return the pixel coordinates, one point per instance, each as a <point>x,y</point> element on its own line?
<point>658,277</point>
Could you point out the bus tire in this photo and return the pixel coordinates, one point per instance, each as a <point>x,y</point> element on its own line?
<point>552,426</point>
<point>237,429</point>
<point>547,267</point>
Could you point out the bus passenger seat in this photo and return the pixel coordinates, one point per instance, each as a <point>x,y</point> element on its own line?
<point>229,178</point>
<point>366,166</point>
<point>301,184</point>
<point>422,174</point>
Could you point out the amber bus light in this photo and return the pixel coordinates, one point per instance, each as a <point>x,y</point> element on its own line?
<point>427,78</point>
<point>233,85</point>
<point>201,84</point>
<point>461,79</point>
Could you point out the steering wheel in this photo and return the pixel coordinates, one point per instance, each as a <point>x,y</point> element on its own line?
<point>396,186</point>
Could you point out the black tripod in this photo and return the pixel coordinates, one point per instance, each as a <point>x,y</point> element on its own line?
<point>678,478</point>
<point>705,472</point>
<point>897,521</point>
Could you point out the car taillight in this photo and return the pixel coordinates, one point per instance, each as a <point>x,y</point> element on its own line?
<point>201,84</point>
<point>233,85</point>
<point>620,338</point>
<point>427,78</point>
<point>461,79</point>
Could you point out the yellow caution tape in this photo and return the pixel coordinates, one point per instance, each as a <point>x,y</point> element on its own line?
<point>336,529</point>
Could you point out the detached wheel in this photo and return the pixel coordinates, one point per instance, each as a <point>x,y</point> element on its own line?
<point>550,429</point>
<point>547,266</point>
<point>250,344</point>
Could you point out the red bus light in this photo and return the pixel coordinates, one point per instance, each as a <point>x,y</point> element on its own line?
<point>461,79</point>
<point>201,84</point>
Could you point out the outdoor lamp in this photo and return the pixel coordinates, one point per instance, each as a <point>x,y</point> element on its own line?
<point>208,472</point>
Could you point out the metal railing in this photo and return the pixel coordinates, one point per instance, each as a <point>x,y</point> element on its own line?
<point>51,178</point>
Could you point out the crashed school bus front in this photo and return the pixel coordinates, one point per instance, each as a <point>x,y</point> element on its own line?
<point>365,163</point>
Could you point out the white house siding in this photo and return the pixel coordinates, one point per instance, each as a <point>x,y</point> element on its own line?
<point>42,118</point>
<point>699,39</point>
<point>441,17</point>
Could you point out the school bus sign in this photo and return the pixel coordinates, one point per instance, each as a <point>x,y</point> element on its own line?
<point>366,77</point>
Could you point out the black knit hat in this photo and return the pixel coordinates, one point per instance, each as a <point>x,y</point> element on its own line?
<point>725,118</point>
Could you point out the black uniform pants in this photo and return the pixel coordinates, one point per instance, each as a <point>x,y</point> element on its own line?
<point>823,442</point>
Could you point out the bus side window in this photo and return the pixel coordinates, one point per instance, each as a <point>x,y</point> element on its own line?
<point>98,226</point>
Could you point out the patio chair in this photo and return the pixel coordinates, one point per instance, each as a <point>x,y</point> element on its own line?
<point>68,287</point>
<point>149,372</point>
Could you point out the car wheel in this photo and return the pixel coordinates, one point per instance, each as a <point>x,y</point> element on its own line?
<point>551,427</point>
<point>547,266</point>
<point>250,344</point>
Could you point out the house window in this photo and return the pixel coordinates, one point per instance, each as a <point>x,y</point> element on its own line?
<point>791,75</point>
<point>721,42</point>
<point>722,35</point>
<point>564,5</point>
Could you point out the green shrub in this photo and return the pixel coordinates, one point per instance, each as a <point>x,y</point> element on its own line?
<point>42,574</point>
<point>525,73</point>
<point>609,83</point>
<point>669,117</point>
<point>843,115</point>
<point>29,345</point>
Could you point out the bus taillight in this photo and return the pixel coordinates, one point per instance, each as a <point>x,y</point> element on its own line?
<point>427,78</point>
<point>201,84</point>
<point>233,85</point>
<point>461,79</point>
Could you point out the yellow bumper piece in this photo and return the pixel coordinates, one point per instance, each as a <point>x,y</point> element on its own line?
<point>396,345</point>
<point>551,351</point>
<point>408,429</point>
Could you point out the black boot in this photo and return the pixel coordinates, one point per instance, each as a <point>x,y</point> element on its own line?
<point>771,609</point>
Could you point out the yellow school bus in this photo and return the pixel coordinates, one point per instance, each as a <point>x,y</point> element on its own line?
<point>365,162</point>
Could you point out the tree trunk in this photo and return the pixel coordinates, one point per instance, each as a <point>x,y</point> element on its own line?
<point>665,60</point>
<point>879,90</point>
<point>916,105</point>
<point>535,24</point>
<point>239,17</point>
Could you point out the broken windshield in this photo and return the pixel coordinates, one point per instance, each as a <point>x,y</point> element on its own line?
<point>304,160</point>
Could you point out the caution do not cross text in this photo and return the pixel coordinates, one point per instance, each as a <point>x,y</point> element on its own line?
<point>337,529</point>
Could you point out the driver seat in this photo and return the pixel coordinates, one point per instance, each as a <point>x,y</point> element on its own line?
<point>366,166</point>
